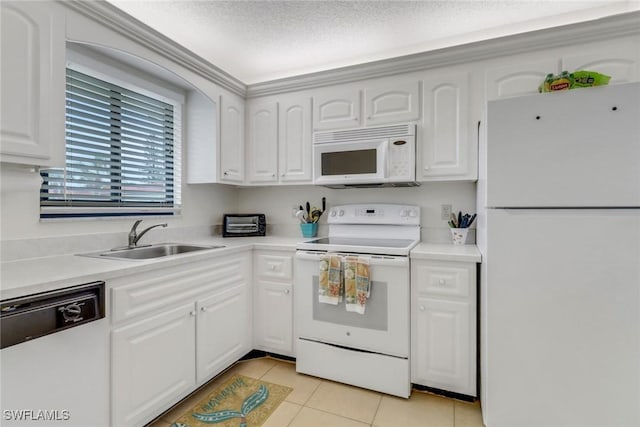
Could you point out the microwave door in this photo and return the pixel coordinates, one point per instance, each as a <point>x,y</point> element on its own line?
<point>350,162</point>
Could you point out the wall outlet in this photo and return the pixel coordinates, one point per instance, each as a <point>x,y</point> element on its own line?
<point>445,212</point>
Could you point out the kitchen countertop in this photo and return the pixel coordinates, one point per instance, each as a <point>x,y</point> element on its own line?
<point>446,252</point>
<point>33,275</point>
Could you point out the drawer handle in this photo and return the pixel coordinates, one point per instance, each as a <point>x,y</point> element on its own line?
<point>192,313</point>
<point>286,291</point>
<point>272,267</point>
<point>422,308</point>
<point>203,309</point>
<point>442,282</point>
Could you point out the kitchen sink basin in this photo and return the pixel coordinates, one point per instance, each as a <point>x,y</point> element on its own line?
<point>152,251</point>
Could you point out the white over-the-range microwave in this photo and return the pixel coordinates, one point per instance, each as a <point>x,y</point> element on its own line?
<point>366,157</point>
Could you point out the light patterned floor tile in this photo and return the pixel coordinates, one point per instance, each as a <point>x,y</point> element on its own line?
<point>285,374</point>
<point>254,368</point>
<point>309,417</point>
<point>420,410</point>
<point>283,415</point>
<point>345,400</point>
<point>467,414</point>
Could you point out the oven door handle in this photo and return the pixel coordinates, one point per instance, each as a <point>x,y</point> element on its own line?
<point>388,260</point>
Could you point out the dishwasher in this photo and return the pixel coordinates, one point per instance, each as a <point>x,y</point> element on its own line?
<point>54,358</point>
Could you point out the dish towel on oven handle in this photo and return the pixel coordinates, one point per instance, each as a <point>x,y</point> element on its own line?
<point>357,283</point>
<point>330,283</point>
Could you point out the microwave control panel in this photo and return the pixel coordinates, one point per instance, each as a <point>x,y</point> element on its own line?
<point>401,163</point>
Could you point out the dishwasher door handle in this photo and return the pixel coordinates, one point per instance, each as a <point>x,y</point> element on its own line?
<point>33,316</point>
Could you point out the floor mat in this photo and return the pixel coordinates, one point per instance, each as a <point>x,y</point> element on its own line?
<point>238,402</point>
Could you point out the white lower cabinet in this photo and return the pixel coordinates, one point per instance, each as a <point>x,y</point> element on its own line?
<point>222,331</point>
<point>174,329</point>
<point>153,364</point>
<point>273,310</point>
<point>443,317</point>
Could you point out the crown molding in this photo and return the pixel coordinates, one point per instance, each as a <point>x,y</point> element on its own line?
<point>596,30</point>
<point>115,19</point>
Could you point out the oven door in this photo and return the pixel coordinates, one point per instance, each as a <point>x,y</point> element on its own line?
<point>362,162</point>
<point>384,328</point>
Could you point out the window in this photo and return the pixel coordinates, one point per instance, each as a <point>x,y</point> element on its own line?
<point>122,154</point>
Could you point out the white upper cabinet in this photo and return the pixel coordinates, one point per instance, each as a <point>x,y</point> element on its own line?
<point>518,79</point>
<point>294,138</point>
<point>33,84</point>
<point>448,149</point>
<point>392,102</point>
<point>619,62</point>
<point>202,137</point>
<point>336,109</point>
<point>279,143</point>
<point>232,139</point>
<point>262,143</point>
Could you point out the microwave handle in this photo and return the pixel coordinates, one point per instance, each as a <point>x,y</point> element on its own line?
<point>385,155</point>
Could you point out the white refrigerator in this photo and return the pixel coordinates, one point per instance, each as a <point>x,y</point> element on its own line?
<point>559,229</point>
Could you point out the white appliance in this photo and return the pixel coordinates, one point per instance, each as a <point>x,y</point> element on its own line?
<point>55,358</point>
<point>375,156</point>
<point>560,237</point>
<point>369,350</point>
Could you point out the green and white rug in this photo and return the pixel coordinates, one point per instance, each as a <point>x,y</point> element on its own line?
<point>239,402</point>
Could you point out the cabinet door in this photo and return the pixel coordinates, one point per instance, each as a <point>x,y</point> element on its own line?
<point>263,142</point>
<point>33,84</point>
<point>619,62</point>
<point>394,102</point>
<point>520,79</point>
<point>336,109</point>
<point>152,365</point>
<point>273,324</point>
<point>231,139</point>
<point>202,130</point>
<point>223,333</point>
<point>441,352</point>
<point>449,143</point>
<point>294,143</point>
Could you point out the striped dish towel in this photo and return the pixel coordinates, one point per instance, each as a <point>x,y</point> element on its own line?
<point>330,280</point>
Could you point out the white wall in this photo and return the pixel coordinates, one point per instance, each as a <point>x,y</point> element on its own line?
<point>277,203</point>
<point>203,205</point>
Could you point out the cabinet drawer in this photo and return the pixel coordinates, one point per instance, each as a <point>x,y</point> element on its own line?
<point>274,266</point>
<point>444,279</point>
<point>147,292</point>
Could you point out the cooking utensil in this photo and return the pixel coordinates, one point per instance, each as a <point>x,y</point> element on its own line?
<point>308,210</point>
<point>315,214</point>
<point>302,217</point>
<point>324,204</point>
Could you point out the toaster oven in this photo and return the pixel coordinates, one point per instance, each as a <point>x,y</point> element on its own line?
<point>244,225</point>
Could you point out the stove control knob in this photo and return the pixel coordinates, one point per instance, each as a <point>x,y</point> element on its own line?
<point>333,213</point>
<point>403,212</point>
<point>413,213</point>
<point>341,213</point>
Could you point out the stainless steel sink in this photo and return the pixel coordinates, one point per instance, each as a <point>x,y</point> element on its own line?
<point>152,251</point>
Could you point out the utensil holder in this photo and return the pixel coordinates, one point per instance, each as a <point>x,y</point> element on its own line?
<point>459,235</point>
<point>309,229</point>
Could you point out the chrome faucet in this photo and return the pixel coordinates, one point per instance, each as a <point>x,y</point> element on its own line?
<point>134,237</point>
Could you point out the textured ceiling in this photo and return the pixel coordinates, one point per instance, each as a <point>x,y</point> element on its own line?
<point>257,41</point>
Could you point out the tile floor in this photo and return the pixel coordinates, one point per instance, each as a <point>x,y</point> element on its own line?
<point>315,402</point>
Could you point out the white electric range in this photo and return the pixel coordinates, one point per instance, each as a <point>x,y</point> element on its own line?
<point>369,350</point>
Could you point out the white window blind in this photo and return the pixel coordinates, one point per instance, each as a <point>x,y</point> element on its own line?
<point>122,157</point>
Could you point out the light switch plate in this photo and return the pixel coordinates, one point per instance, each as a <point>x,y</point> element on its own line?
<point>445,212</point>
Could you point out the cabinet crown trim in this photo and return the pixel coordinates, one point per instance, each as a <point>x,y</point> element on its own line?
<point>119,21</point>
<point>621,25</point>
